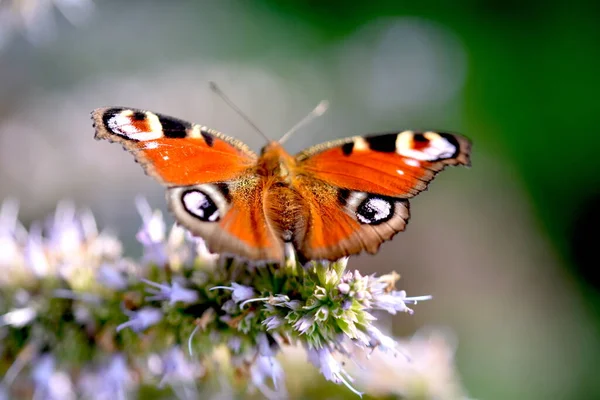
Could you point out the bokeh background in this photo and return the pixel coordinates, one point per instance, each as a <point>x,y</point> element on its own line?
<point>506,247</point>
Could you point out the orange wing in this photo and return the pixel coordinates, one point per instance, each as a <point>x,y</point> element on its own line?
<point>342,222</point>
<point>229,216</point>
<point>395,164</point>
<point>175,152</point>
<point>357,188</point>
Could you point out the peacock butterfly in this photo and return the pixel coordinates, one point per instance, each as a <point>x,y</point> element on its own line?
<point>329,201</point>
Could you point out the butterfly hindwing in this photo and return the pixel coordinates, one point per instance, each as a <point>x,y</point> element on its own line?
<point>174,151</point>
<point>342,222</point>
<point>229,216</point>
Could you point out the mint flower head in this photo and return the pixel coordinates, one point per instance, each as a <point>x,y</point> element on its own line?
<point>78,319</point>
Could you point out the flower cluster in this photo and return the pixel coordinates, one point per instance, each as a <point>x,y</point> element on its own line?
<point>77,318</point>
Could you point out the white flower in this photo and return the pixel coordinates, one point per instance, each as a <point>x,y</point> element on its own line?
<point>240,292</point>
<point>153,226</point>
<point>178,248</point>
<point>344,288</point>
<point>142,319</point>
<point>49,383</point>
<point>111,277</point>
<point>176,367</point>
<point>12,235</point>
<point>152,233</point>
<point>35,255</point>
<point>426,370</point>
<point>65,232</point>
<point>265,347</point>
<point>179,373</point>
<point>322,314</point>
<point>111,382</point>
<point>235,344</point>
<point>263,369</point>
<point>330,368</point>
<point>273,322</point>
<point>380,340</point>
<point>305,324</point>
<point>395,301</point>
<point>19,317</point>
<point>174,293</point>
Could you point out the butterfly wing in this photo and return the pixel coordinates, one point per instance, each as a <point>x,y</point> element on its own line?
<point>212,186</point>
<point>173,151</point>
<point>360,187</point>
<point>336,224</point>
<point>230,216</point>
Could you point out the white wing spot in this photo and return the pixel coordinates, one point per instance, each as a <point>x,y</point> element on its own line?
<point>121,125</point>
<point>151,145</point>
<point>437,148</point>
<point>400,172</point>
<point>196,131</point>
<point>412,163</point>
<point>165,158</point>
<point>360,144</point>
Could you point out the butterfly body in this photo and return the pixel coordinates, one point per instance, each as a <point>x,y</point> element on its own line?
<point>331,200</point>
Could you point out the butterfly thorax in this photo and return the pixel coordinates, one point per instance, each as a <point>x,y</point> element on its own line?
<point>276,163</point>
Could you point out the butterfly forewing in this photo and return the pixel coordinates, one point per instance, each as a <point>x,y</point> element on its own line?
<point>174,151</point>
<point>393,164</point>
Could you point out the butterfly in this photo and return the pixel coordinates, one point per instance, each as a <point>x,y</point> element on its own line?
<point>331,200</point>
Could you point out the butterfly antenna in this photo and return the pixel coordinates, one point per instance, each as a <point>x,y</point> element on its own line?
<point>317,112</point>
<point>217,90</point>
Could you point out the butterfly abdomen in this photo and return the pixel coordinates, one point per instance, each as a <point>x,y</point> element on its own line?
<point>286,210</point>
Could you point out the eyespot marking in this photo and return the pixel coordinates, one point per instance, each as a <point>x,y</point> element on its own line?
<point>200,205</point>
<point>375,210</point>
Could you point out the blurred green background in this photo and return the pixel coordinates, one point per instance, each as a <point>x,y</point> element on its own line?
<point>507,247</point>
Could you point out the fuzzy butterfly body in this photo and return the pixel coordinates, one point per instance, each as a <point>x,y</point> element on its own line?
<point>332,200</point>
